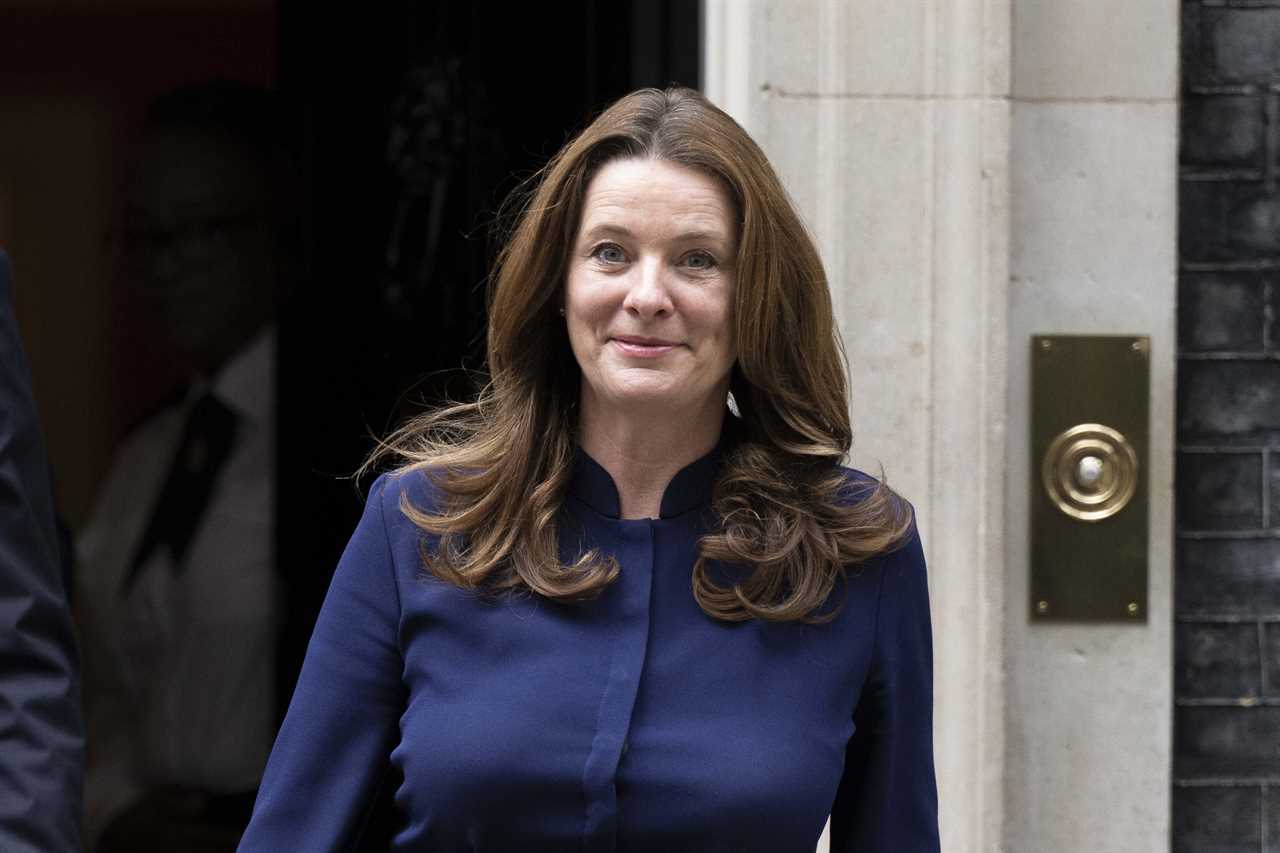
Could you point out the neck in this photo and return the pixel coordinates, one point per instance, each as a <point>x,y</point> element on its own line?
<point>205,364</point>
<point>644,450</point>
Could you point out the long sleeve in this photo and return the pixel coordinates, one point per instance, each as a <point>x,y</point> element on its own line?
<point>887,799</point>
<point>342,722</point>
<point>41,735</point>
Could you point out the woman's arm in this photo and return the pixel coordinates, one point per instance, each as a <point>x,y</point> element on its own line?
<point>888,799</point>
<point>342,721</point>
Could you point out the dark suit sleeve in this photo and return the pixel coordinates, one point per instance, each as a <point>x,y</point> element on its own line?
<point>888,799</point>
<point>41,735</point>
<point>337,737</point>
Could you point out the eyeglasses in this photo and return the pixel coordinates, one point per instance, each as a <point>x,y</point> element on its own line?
<point>195,240</point>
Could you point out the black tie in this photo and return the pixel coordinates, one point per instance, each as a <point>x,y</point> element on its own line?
<point>207,439</point>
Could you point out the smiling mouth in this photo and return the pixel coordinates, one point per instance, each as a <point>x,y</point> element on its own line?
<point>643,347</point>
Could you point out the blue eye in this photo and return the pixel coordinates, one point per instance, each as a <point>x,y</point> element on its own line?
<point>610,253</point>
<point>700,261</point>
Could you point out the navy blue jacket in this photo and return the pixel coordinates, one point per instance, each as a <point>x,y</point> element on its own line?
<point>41,734</point>
<point>634,722</point>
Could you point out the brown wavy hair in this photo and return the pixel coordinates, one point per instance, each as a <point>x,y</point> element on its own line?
<point>785,511</point>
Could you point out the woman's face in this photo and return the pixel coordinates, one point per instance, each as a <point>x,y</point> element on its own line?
<point>650,289</point>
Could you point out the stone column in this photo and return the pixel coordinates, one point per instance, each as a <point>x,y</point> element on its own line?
<point>1093,250</point>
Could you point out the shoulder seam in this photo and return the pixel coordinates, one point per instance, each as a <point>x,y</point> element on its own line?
<point>875,634</point>
<point>391,557</point>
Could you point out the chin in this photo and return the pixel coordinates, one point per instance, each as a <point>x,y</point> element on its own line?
<point>643,393</point>
<point>654,399</point>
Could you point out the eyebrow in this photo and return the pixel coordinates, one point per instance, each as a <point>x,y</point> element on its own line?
<point>691,236</point>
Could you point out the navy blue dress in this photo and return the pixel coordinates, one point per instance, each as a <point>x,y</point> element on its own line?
<point>634,722</point>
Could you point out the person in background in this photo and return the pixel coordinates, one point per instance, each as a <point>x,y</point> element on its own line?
<point>178,596</point>
<point>41,733</point>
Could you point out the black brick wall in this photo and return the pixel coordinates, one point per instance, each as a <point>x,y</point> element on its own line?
<point>1226,787</point>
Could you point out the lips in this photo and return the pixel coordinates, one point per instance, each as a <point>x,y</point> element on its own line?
<point>643,347</point>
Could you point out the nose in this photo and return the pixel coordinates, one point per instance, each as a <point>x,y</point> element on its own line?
<point>648,296</point>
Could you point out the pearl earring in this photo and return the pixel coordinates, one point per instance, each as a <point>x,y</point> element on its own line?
<point>561,312</point>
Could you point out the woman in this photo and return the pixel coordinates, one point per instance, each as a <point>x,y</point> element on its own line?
<point>628,599</point>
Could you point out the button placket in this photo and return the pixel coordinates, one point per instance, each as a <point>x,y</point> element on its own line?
<point>618,701</point>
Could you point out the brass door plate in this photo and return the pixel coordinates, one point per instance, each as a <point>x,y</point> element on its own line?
<point>1090,436</point>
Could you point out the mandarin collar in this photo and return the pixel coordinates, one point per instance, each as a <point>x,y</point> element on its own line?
<point>688,490</point>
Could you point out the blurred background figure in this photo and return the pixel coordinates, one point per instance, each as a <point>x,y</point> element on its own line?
<point>41,734</point>
<point>178,597</point>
